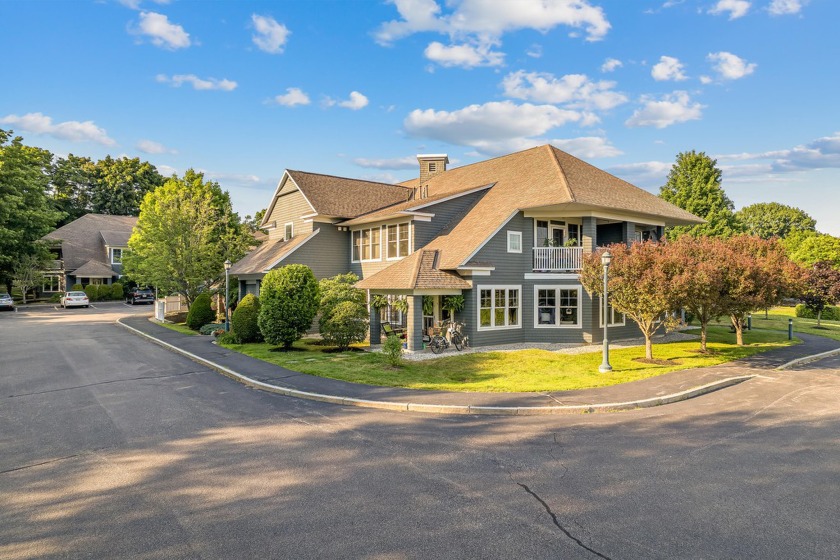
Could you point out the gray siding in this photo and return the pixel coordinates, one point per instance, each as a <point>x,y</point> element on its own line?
<point>291,205</point>
<point>327,254</point>
<point>510,271</point>
<point>610,233</point>
<point>445,214</point>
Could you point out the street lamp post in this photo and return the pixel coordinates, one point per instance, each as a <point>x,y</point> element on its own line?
<point>227,291</point>
<point>605,364</point>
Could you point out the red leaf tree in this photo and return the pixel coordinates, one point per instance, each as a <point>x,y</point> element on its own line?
<point>822,287</point>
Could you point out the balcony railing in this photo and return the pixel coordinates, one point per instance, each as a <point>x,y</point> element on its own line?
<point>54,265</point>
<point>557,259</point>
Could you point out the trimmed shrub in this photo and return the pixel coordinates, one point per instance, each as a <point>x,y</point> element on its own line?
<point>228,338</point>
<point>200,312</point>
<point>830,313</point>
<point>92,291</point>
<point>392,350</point>
<point>288,304</point>
<point>344,315</point>
<point>103,292</point>
<point>55,298</point>
<point>210,328</point>
<point>117,291</point>
<point>76,288</point>
<point>244,319</point>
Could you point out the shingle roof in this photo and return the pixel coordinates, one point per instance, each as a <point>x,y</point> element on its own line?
<point>93,269</point>
<point>115,238</point>
<point>82,239</point>
<point>418,271</point>
<point>346,198</point>
<point>266,255</point>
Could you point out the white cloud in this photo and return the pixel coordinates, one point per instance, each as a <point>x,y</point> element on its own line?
<point>785,7</point>
<point>668,68</point>
<point>392,163</point>
<point>269,35</point>
<point>587,147</point>
<point>178,80</point>
<point>74,131</point>
<point>706,80</point>
<point>535,51</point>
<point>161,32</point>
<point>673,108</point>
<point>152,147</point>
<point>611,64</point>
<point>293,96</point>
<point>492,19</point>
<point>388,178</point>
<point>643,174</point>
<point>729,66</point>
<point>357,101</point>
<point>491,128</point>
<point>576,90</point>
<point>464,55</point>
<point>735,8</point>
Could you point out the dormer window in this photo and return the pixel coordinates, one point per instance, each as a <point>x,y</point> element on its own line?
<point>116,256</point>
<point>290,231</point>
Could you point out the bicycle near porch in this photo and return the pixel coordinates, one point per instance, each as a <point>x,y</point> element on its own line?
<point>438,342</point>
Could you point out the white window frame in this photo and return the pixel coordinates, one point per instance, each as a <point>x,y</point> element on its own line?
<point>289,228</point>
<point>613,312</point>
<point>493,308</point>
<point>113,254</point>
<point>511,235</point>
<point>370,244</point>
<point>557,324</point>
<point>387,240</point>
<point>57,283</point>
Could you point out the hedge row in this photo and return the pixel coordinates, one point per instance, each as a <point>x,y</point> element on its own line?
<point>830,313</point>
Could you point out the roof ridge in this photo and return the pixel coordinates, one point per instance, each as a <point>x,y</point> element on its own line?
<point>565,180</point>
<point>349,179</point>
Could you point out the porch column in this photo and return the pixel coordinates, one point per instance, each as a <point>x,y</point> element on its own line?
<point>588,232</point>
<point>414,336</point>
<point>375,326</point>
<point>628,232</point>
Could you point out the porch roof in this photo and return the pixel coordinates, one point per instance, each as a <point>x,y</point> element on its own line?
<point>267,255</point>
<point>94,269</point>
<point>418,271</point>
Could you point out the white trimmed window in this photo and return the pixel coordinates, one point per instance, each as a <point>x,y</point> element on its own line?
<point>514,242</point>
<point>116,256</point>
<point>51,283</point>
<point>367,245</point>
<point>290,231</point>
<point>616,318</point>
<point>499,307</point>
<point>557,306</point>
<point>398,241</point>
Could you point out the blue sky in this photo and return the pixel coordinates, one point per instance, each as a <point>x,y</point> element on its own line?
<point>243,90</point>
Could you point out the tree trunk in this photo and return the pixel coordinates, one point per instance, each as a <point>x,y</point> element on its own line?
<point>819,314</point>
<point>648,347</point>
<point>703,337</point>
<point>738,324</point>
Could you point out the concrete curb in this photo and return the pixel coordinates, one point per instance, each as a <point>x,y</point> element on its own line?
<point>806,359</point>
<point>450,409</point>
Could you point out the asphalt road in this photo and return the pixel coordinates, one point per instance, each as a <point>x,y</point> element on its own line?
<point>113,447</point>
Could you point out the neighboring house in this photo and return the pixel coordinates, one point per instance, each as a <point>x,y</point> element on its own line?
<point>87,251</point>
<point>507,233</point>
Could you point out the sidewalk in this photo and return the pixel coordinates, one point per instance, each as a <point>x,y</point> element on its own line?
<point>670,387</point>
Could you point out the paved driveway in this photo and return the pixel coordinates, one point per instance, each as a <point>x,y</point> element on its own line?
<point>113,447</point>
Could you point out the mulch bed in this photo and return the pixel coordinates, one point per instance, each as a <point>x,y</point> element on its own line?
<point>657,362</point>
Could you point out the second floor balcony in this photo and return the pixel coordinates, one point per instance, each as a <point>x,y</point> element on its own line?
<point>557,259</point>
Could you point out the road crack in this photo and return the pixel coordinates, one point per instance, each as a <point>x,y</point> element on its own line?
<point>558,524</point>
<point>141,378</point>
<point>56,460</point>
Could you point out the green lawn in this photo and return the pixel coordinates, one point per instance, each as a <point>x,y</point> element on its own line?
<point>179,327</point>
<point>520,371</point>
<point>778,321</point>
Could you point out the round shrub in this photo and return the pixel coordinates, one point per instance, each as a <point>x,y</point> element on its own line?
<point>829,313</point>
<point>77,288</point>
<point>92,291</point>
<point>288,304</point>
<point>117,291</point>
<point>344,324</point>
<point>200,312</point>
<point>103,292</point>
<point>244,319</point>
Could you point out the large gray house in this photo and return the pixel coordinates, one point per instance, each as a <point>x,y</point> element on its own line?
<point>87,251</point>
<point>507,233</point>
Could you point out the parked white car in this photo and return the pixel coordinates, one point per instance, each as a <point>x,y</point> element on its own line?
<point>6,301</point>
<point>74,299</point>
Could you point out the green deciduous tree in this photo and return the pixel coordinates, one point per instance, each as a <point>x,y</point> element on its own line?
<point>26,213</point>
<point>808,248</point>
<point>639,284</point>
<point>344,315</point>
<point>185,232</point>
<point>72,180</point>
<point>771,219</point>
<point>694,184</point>
<point>27,273</point>
<point>120,185</point>
<point>288,304</point>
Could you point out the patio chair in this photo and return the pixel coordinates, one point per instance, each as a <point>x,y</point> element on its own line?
<point>389,330</point>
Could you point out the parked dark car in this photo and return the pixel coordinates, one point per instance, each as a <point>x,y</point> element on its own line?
<point>6,301</point>
<point>140,295</point>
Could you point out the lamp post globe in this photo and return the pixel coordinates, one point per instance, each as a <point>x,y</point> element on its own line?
<point>605,366</point>
<point>227,291</point>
